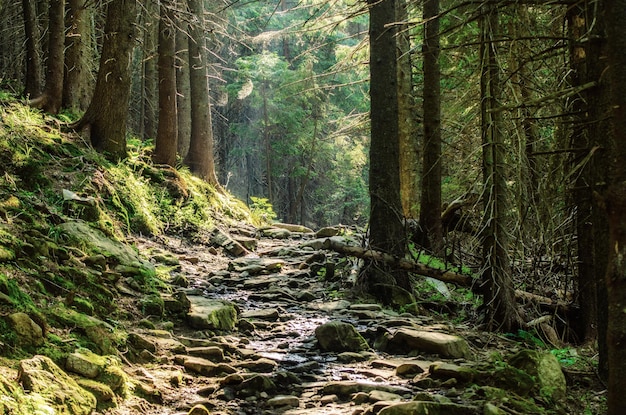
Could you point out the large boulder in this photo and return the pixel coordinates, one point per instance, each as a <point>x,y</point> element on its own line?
<point>406,340</point>
<point>85,237</point>
<point>41,376</point>
<point>206,313</point>
<point>428,408</point>
<point>337,336</point>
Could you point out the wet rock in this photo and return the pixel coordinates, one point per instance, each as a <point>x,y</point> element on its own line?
<point>365,307</point>
<point>28,332</point>
<point>268,314</point>
<point>283,401</point>
<point>428,408</point>
<point>257,384</point>
<point>207,313</point>
<point>337,336</point>
<point>407,340</point>
<point>330,306</point>
<point>545,369</point>
<point>40,375</point>
<point>275,294</point>
<point>349,357</point>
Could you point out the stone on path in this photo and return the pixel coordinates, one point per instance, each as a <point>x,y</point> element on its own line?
<point>222,239</point>
<point>206,313</point>
<point>347,388</point>
<point>407,340</point>
<point>428,408</point>
<point>267,314</point>
<point>293,227</point>
<point>283,400</point>
<point>337,336</point>
<point>255,266</point>
<point>276,233</point>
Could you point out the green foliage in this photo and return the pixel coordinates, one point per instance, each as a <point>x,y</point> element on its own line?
<point>262,209</point>
<point>528,338</point>
<point>20,300</point>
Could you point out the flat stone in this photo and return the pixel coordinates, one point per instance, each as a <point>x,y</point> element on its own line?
<point>365,307</point>
<point>409,370</point>
<point>378,395</point>
<point>203,366</point>
<point>276,233</point>
<point>293,227</point>
<point>428,408</point>
<point>259,283</point>
<point>268,314</point>
<point>284,400</point>
<point>442,370</point>
<point>255,266</point>
<point>85,363</point>
<point>262,365</point>
<point>222,239</point>
<point>347,388</point>
<point>337,336</point>
<point>212,353</point>
<point>406,340</point>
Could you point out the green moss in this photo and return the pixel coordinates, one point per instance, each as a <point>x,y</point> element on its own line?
<point>21,300</point>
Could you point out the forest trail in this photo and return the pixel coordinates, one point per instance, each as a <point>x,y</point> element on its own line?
<point>272,362</point>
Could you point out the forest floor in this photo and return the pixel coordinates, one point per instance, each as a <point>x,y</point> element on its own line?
<point>272,363</point>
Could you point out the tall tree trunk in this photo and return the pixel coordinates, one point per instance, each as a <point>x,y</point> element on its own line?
<point>107,114</point>
<point>33,53</point>
<point>616,208</point>
<point>166,139</point>
<point>77,83</point>
<point>407,127</point>
<point>430,209</point>
<point>387,231</point>
<point>496,282</point>
<point>150,78</point>
<point>183,101</point>
<point>200,157</point>
<point>51,98</point>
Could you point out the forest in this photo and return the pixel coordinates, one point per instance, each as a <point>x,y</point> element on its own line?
<point>191,189</point>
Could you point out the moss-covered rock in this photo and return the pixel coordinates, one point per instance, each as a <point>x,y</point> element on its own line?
<point>337,336</point>
<point>28,332</point>
<point>206,313</point>
<point>41,376</point>
<point>545,369</point>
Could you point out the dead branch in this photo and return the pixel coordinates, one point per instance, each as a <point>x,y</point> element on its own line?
<point>558,305</point>
<point>401,263</point>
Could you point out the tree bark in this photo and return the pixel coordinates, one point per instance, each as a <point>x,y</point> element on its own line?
<point>34,65</point>
<point>107,114</point>
<point>51,99</point>
<point>77,84</point>
<point>616,208</point>
<point>200,157</point>
<point>183,90</point>
<point>387,233</point>
<point>166,139</point>
<point>407,119</point>
<point>430,209</point>
<point>150,78</point>
<point>496,281</point>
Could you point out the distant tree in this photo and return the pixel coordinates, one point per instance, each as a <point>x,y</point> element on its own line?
<point>78,56</point>
<point>51,98</point>
<point>430,207</point>
<point>387,232</point>
<point>183,102</point>
<point>107,113</point>
<point>150,71</point>
<point>166,139</point>
<point>408,125</point>
<point>34,66</point>
<point>200,158</point>
<point>616,207</point>
<point>496,281</point>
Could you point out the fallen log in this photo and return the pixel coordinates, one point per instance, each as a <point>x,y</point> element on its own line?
<point>558,305</point>
<point>401,263</point>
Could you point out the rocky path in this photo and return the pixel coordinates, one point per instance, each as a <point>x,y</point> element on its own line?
<point>270,330</point>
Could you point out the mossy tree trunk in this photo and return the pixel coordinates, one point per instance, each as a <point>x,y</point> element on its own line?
<point>107,114</point>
